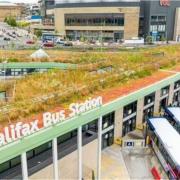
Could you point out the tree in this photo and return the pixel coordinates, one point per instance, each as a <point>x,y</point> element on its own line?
<point>11,21</point>
<point>38,33</point>
<point>149,39</point>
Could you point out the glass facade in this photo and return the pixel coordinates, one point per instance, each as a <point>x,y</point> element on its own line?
<point>94,19</point>
<point>158,27</point>
<point>95,35</point>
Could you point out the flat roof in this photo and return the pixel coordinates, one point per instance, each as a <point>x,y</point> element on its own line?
<point>97,3</point>
<point>6,3</point>
<point>114,93</point>
<point>168,136</point>
<point>174,112</point>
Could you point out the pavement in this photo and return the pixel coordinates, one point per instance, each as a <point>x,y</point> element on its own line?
<point>139,163</point>
<point>125,164</point>
<point>113,165</point>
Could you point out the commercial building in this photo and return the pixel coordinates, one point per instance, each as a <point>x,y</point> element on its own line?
<point>9,9</point>
<point>67,143</point>
<point>114,20</point>
<point>97,20</point>
<point>160,19</point>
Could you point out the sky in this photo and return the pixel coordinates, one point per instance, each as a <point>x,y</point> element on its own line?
<point>25,1</point>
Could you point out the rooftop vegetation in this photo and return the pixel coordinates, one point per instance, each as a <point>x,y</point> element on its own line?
<point>97,71</point>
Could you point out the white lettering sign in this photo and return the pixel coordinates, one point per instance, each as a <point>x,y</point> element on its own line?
<point>20,129</point>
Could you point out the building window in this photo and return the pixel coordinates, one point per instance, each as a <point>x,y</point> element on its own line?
<point>107,139</point>
<point>108,120</point>
<point>165,91</point>
<point>176,98</point>
<point>163,104</point>
<point>129,109</point>
<point>154,18</point>
<point>148,113</point>
<point>177,84</point>
<point>153,28</point>
<point>11,164</point>
<point>161,28</point>
<point>149,99</point>
<point>94,19</point>
<point>129,126</point>
<point>161,18</point>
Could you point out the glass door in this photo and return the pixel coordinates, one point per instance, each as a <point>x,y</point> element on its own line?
<point>107,139</point>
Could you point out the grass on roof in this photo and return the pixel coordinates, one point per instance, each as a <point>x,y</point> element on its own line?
<point>40,92</point>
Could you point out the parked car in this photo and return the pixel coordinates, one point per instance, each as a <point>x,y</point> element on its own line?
<point>68,43</point>
<point>6,39</point>
<point>48,44</point>
<point>60,42</point>
<point>30,42</point>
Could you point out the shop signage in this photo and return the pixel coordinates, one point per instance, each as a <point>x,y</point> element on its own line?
<point>165,2</point>
<point>19,130</point>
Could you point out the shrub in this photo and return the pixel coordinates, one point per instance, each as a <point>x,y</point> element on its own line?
<point>38,33</point>
<point>11,21</point>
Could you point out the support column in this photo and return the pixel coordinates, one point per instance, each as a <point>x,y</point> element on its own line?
<point>157,101</point>
<point>139,116</point>
<point>171,94</point>
<point>118,124</point>
<point>24,166</point>
<point>99,148</point>
<point>80,153</point>
<point>55,159</point>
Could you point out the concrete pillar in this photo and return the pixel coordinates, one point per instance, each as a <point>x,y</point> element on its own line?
<point>80,153</point>
<point>139,116</point>
<point>24,166</point>
<point>157,101</point>
<point>55,159</point>
<point>99,148</point>
<point>171,94</point>
<point>118,123</point>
